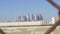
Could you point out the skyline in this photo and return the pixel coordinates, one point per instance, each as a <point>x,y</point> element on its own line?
<point>11,9</point>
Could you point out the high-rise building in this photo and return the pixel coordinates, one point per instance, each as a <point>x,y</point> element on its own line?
<point>24,18</point>
<point>18,19</point>
<point>39,17</point>
<point>32,17</point>
<point>28,17</point>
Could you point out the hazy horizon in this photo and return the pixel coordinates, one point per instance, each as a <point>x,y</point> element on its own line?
<point>11,9</point>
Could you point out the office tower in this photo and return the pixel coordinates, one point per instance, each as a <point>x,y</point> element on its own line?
<point>24,18</point>
<point>39,17</point>
<point>32,17</point>
<point>18,19</point>
<point>28,17</point>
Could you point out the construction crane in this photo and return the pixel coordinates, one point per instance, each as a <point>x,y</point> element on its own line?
<point>56,23</point>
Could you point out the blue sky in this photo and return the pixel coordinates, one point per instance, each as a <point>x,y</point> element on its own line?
<point>11,9</point>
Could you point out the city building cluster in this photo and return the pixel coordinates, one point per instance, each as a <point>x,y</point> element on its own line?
<point>30,17</point>
<point>31,23</point>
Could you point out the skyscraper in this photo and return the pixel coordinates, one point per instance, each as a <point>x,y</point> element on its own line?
<point>28,17</point>
<point>18,19</point>
<point>39,17</point>
<point>24,18</point>
<point>32,17</point>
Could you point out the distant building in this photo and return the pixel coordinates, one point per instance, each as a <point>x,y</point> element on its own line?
<point>32,17</point>
<point>28,17</point>
<point>18,19</point>
<point>54,19</point>
<point>41,22</point>
<point>46,22</point>
<point>39,17</point>
<point>24,18</point>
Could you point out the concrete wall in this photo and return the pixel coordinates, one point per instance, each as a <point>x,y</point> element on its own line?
<point>20,23</point>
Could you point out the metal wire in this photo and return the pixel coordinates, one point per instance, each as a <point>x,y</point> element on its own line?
<point>56,23</point>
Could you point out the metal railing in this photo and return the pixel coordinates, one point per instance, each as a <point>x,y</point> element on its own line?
<point>56,23</point>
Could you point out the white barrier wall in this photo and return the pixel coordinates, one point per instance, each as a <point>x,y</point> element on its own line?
<point>20,23</point>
